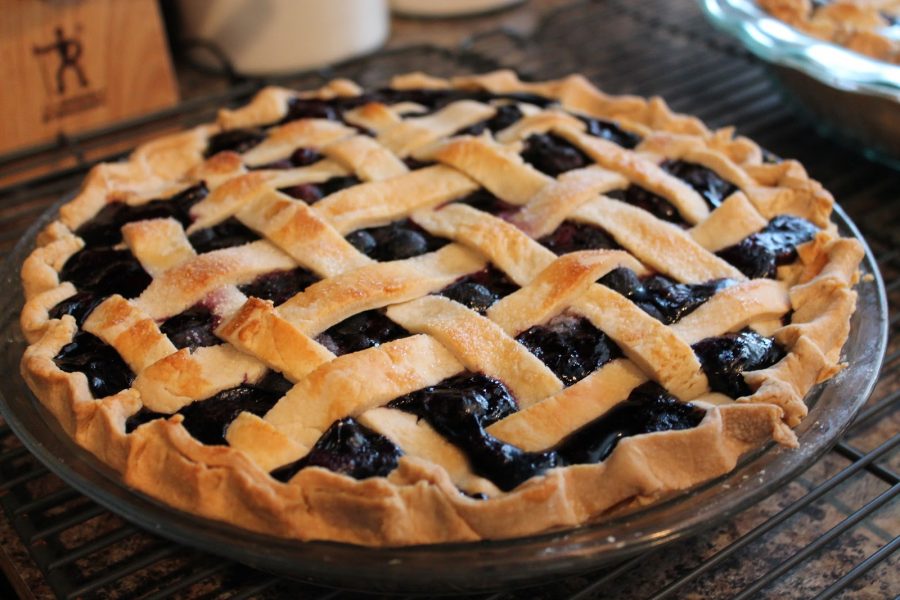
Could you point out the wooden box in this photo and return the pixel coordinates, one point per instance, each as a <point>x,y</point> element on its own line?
<point>73,65</point>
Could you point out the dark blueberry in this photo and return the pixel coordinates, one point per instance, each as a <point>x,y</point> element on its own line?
<point>506,115</point>
<point>571,236</point>
<point>308,192</point>
<point>473,295</point>
<point>361,331</point>
<point>226,234</point>
<point>661,297</point>
<point>553,155</point>
<point>649,408</point>
<point>480,290</point>
<point>192,328</point>
<point>625,281</point>
<point>79,306</point>
<point>652,203</point>
<point>363,241</point>
<point>485,201</point>
<point>707,183</point>
<point>311,108</point>
<point>280,285</point>
<point>235,140</point>
<point>751,257</point>
<point>676,300</point>
<point>414,164</point>
<point>405,243</point>
<point>104,272</point>
<point>105,228</point>
<point>396,241</point>
<point>336,184</point>
<point>612,132</point>
<point>105,370</point>
<point>302,157</point>
<point>473,394</point>
<point>725,359</point>
<point>348,448</point>
<point>571,346</point>
<point>208,420</point>
<point>313,192</point>
<point>459,409</point>
<point>759,254</point>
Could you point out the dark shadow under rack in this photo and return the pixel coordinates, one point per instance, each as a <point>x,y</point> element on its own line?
<point>830,533</point>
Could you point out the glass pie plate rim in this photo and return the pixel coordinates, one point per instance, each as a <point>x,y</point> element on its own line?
<point>469,566</point>
<point>779,43</point>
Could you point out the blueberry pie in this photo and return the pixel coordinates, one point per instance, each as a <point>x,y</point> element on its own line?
<point>438,311</point>
<point>866,26</point>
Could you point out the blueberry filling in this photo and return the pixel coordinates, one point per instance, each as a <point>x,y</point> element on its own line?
<point>553,155</point>
<point>506,115</point>
<point>313,108</point>
<point>571,236</point>
<point>361,331</point>
<point>485,201</point>
<point>208,420</point>
<point>98,273</point>
<point>226,234</point>
<point>280,285</point>
<point>480,290</point>
<point>652,203</point>
<point>78,306</point>
<point>397,241</point>
<point>707,183</point>
<point>725,359</point>
<point>192,328</point>
<point>348,448</point>
<point>106,372</point>
<point>313,192</point>
<point>661,297</point>
<point>759,255</point>
<point>235,140</point>
<point>459,409</point>
<point>571,346</point>
<point>612,132</point>
<point>301,157</point>
<point>414,164</point>
<point>105,228</point>
<point>649,408</point>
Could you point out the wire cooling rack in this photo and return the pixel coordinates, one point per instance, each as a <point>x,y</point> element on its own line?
<point>832,532</point>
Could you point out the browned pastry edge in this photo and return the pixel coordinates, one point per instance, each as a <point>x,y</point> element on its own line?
<point>853,24</point>
<point>417,503</point>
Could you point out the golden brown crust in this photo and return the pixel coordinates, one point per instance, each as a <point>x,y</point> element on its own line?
<point>854,24</point>
<point>420,501</point>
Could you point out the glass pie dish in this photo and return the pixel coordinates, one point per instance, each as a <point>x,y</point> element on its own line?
<point>480,566</point>
<point>849,96</point>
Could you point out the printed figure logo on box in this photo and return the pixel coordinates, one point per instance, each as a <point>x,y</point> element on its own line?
<point>65,80</point>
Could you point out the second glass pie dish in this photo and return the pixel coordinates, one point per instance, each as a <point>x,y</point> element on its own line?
<point>849,96</point>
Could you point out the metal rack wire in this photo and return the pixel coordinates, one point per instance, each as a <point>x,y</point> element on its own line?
<point>833,532</point>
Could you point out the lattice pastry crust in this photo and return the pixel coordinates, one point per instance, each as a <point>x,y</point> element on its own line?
<point>806,308</point>
<point>855,24</point>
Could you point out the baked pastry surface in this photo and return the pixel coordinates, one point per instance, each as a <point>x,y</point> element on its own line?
<point>859,25</point>
<point>442,311</point>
